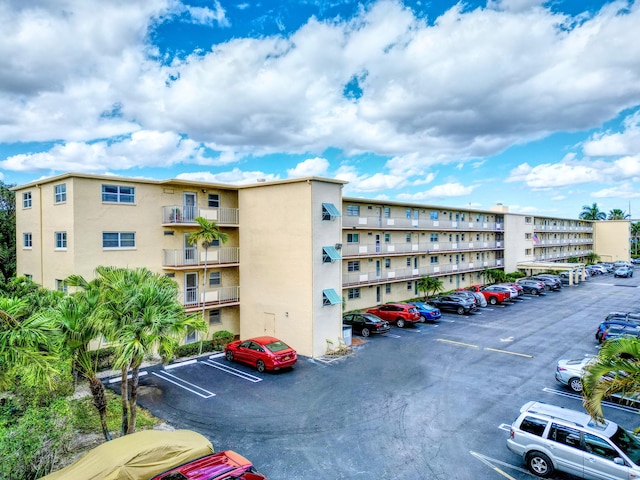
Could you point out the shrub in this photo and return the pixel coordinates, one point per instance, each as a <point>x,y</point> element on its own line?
<point>221,339</point>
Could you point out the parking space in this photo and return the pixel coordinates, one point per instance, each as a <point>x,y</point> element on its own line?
<point>431,401</point>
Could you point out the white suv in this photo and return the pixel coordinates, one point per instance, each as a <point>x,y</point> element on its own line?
<point>553,438</point>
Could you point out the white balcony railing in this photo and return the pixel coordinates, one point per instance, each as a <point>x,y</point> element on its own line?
<point>350,221</point>
<point>432,248</point>
<point>198,257</point>
<point>186,214</point>
<point>215,296</point>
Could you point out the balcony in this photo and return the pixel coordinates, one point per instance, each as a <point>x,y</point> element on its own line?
<point>223,296</point>
<point>186,215</point>
<point>562,255</point>
<point>401,223</point>
<point>406,274</point>
<point>194,257</point>
<point>562,228</point>
<point>425,248</point>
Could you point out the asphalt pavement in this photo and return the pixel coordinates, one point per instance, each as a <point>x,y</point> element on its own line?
<point>429,402</point>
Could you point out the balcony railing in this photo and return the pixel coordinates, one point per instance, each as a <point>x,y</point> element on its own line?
<point>193,297</point>
<point>186,214</point>
<point>430,248</point>
<point>562,228</point>
<point>421,223</point>
<point>562,255</point>
<point>564,241</point>
<point>405,274</point>
<point>199,257</point>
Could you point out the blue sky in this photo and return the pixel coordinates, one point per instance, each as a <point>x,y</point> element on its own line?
<point>535,105</point>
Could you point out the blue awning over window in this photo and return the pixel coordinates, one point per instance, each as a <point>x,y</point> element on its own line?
<point>330,297</point>
<point>330,254</point>
<point>331,209</point>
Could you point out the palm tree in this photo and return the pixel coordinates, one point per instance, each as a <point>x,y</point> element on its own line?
<point>208,233</point>
<point>592,213</point>
<point>76,318</point>
<point>495,275</point>
<point>141,313</point>
<point>28,344</point>
<point>617,214</point>
<point>635,236</point>
<point>615,370</point>
<point>428,285</point>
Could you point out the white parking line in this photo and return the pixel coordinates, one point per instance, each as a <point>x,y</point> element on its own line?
<point>392,335</point>
<point>232,371</point>
<point>188,386</point>
<point>492,462</point>
<point>119,379</point>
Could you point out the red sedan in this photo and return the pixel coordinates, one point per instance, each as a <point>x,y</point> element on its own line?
<point>265,353</point>
<point>221,465</point>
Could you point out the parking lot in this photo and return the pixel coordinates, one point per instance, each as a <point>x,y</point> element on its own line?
<point>433,401</point>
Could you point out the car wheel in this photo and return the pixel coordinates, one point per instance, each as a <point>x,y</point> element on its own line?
<point>260,366</point>
<point>539,464</point>
<point>400,322</point>
<point>460,310</point>
<point>229,355</point>
<point>423,319</point>
<point>365,332</point>
<point>575,384</point>
<point>493,300</point>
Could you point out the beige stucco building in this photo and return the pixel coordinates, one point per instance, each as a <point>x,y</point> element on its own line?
<point>297,254</point>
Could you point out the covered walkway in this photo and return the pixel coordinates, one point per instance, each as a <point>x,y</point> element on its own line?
<point>531,268</point>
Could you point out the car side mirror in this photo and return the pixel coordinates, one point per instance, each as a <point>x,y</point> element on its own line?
<point>618,461</point>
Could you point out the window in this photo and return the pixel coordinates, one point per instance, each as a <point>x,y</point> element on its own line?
<point>599,446</point>
<point>408,238</point>
<point>408,262</point>
<point>215,279</point>
<point>330,254</point>
<point>118,194</point>
<point>353,293</point>
<point>408,285</point>
<point>527,219</point>
<point>353,210</point>
<point>565,435</point>
<point>527,236</point>
<point>213,200</point>
<point>433,237</point>
<point>118,239</point>
<point>387,212</point>
<point>61,285</point>
<point>387,237</point>
<point>387,263</point>
<point>28,276</point>
<point>60,193</point>
<point>330,211</point>
<point>408,213</point>
<point>433,215</point>
<point>477,237</point>
<point>26,200</point>
<point>27,239</point>
<point>214,317</point>
<point>353,266</point>
<point>353,237</point>
<point>433,259</point>
<point>330,297</point>
<point>527,251</point>
<point>387,288</point>
<point>61,240</point>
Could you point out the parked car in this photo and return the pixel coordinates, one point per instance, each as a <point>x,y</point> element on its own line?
<point>515,289</point>
<point>608,265</point>
<point>428,313</point>
<point>510,291</point>
<point>398,313</point>
<point>453,303</point>
<point>550,282</point>
<point>601,269</point>
<point>549,438</point>
<point>365,323</point>
<point>619,321</point>
<point>621,263</point>
<point>615,330</point>
<point>264,353</point>
<point>466,294</point>
<point>533,287</point>
<point>217,466</point>
<point>569,371</point>
<point>627,316</point>
<point>635,261</point>
<point>492,296</point>
<point>623,272</point>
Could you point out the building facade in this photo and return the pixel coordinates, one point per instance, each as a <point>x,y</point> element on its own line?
<point>298,253</point>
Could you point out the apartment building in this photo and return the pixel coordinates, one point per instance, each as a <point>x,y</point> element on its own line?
<point>298,253</point>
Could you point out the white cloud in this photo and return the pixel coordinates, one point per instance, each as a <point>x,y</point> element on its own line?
<point>626,142</point>
<point>309,168</point>
<point>549,175</point>
<point>440,191</point>
<point>625,190</point>
<point>424,180</point>
<point>233,177</point>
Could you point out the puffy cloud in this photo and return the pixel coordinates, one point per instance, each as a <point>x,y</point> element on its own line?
<point>234,177</point>
<point>309,168</point>
<point>625,190</point>
<point>440,191</point>
<point>549,175</point>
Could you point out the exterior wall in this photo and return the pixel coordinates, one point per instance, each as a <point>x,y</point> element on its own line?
<point>612,240</point>
<point>518,238</point>
<point>281,272</point>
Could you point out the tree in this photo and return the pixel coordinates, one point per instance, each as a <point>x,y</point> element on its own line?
<point>429,285</point>
<point>208,233</point>
<point>592,213</point>
<point>494,275</point>
<point>140,313</point>
<point>76,317</point>
<point>592,258</point>
<point>7,233</point>
<point>28,345</point>
<point>635,236</point>
<point>617,214</point>
<point>615,370</point>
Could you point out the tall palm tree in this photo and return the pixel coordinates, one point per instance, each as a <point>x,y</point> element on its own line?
<point>635,236</point>
<point>141,313</point>
<point>28,344</point>
<point>617,214</point>
<point>76,318</point>
<point>592,212</point>
<point>207,234</point>
<point>616,370</point>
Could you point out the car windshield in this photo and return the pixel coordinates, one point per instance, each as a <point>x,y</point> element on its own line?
<point>277,346</point>
<point>629,444</point>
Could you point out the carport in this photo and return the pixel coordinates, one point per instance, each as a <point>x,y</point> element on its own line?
<point>540,267</point>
